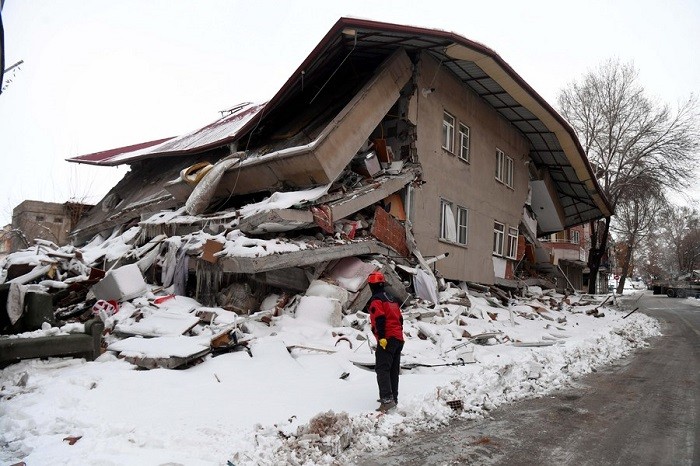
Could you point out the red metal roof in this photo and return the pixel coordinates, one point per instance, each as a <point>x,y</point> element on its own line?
<point>213,135</point>
<point>99,158</point>
<point>216,135</point>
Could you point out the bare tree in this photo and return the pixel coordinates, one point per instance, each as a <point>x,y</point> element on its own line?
<point>681,229</point>
<point>635,220</point>
<point>627,134</point>
<point>14,233</point>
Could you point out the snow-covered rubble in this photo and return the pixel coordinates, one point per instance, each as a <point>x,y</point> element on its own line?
<point>279,377</point>
<point>296,397</point>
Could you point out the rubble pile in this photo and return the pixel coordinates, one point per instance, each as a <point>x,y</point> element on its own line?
<point>181,285</point>
<point>181,292</point>
<point>138,284</point>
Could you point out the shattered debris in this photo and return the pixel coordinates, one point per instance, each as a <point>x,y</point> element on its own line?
<point>149,325</point>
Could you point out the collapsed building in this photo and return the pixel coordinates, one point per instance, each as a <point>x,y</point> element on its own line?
<point>412,150</point>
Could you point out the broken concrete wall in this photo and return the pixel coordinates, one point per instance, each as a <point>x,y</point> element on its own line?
<point>322,161</point>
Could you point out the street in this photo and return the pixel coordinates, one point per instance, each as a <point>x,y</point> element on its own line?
<point>641,411</point>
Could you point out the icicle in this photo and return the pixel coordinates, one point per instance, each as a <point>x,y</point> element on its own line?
<point>209,278</point>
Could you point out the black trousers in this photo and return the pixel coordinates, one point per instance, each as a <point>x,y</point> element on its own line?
<point>387,367</point>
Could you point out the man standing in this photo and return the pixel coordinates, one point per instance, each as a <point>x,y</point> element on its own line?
<point>387,326</point>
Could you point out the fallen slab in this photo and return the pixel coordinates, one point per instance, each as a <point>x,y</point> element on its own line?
<point>164,352</point>
<point>231,264</point>
<point>160,324</point>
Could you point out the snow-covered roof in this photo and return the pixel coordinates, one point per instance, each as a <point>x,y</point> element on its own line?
<point>222,131</point>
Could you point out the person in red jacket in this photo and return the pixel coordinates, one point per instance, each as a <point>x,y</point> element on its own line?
<point>387,326</point>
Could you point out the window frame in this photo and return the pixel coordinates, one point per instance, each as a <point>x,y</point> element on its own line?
<point>508,171</point>
<point>444,233</point>
<point>512,252</point>
<point>464,149</point>
<point>500,234</point>
<point>458,223</point>
<point>500,156</point>
<point>462,229</point>
<point>575,236</point>
<point>448,131</point>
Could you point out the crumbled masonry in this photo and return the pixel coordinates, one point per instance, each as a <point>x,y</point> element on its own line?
<point>138,285</point>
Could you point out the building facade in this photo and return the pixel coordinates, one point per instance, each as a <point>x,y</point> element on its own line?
<point>48,221</point>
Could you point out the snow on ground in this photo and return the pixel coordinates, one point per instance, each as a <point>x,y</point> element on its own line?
<point>692,301</point>
<point>304,405</point>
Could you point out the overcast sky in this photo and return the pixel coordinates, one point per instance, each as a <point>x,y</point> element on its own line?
<point>104,74</point>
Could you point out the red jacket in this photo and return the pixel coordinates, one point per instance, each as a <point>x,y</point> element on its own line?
<point>385,317</point>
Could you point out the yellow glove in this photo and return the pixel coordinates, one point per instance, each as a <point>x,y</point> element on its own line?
<point>382,343</point>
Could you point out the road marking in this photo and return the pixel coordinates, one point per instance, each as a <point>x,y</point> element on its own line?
<point>697,332</point>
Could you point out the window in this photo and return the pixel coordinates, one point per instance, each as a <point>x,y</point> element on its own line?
<point>57,220</point>
<point>447,222</point>
<point>448,132</point>
<point>464,142</point>
<point>454,222</point>
<point>575,237</point>
<point>462,225</point>
<point>40,218</point>
<point>500,156</point>
<point>504,168</point>
<point>512,243</point>
<point>508,172</point>
<point>499,230</point>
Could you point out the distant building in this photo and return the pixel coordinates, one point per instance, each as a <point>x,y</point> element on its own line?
<point>568,254</point>
<point>49,221</point>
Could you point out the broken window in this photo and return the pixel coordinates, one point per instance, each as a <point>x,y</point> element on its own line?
<point>447,221</point>
<point>512,243</point>
<point>464,142</point>
<point>454,222</point>
<point>499,231</point>
<point>448,132</point>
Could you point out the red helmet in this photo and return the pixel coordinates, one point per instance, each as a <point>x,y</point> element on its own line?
<point>376,277</point>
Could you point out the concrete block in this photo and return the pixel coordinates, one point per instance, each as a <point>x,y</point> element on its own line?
<point>121,284</point>
<point>328,290</point>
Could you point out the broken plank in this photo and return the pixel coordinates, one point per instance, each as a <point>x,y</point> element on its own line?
<point>171,362</point>
<point>312,348</point>
<point>483,337</point>
<point>530,344</point>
